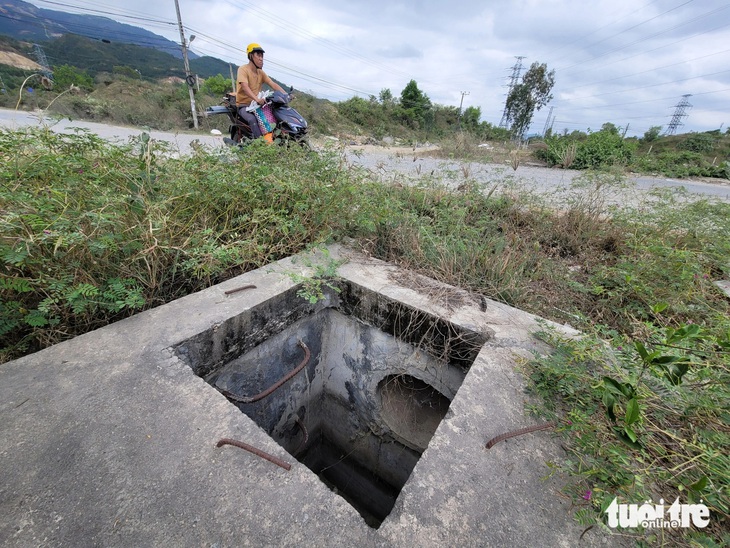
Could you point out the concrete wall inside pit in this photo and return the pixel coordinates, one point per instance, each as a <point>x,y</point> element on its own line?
<point>336,395</point>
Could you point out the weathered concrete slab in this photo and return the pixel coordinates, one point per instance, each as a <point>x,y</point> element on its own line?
<point>724,286</point>
<point>109,439</point>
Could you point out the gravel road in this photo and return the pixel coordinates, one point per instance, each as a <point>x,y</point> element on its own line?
<point>415,164</point>
<point>388,163</point>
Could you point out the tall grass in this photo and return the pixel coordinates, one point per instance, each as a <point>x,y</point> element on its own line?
<point>91,232</point>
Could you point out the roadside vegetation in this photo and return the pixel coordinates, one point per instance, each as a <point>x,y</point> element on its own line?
<point>91,233</point>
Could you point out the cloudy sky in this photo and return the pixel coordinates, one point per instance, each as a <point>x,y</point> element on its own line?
<point>629,62</point>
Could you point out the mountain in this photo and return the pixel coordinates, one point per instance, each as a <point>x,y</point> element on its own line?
<point>96,44</point>
<point>94,57</point>
<point>24,21</point>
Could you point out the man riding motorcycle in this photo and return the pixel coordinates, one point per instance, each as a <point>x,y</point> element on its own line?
<point>250,80</point>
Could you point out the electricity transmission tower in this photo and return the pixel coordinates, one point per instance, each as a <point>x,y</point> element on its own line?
<point>679,113</point>
<point>516,70</point>
<point>40,57</point>
<point>548,123</point>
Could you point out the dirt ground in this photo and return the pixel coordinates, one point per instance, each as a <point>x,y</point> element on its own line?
<point>359,148</point>
<point>18,61</point>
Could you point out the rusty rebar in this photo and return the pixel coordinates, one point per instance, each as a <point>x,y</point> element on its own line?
<point>520,432</point>
<point>237,289</point>
<point>273,387</point>
<point>258,452</point>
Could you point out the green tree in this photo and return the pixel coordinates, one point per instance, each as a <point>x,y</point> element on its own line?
<point>652,134</point>
<point>359,111</point>
<point>530,95</point>
<point>65,76</point>
<point>470,118</point>
<point>217,85</point>
<point>415,103</point>
<point>386,97</point>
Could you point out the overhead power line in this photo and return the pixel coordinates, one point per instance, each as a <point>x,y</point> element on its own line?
<point>645,38</point>
<point>651,70</point>
<point>653,85</point>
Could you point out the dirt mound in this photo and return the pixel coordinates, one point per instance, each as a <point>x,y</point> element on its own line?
<point>17,61</point>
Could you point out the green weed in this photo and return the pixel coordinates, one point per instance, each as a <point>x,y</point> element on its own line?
<point>324,275</point>
<point>643,420</point>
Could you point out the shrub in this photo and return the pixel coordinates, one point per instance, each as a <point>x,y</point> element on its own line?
<point>65,76</point>
<point>558,151</point>
<point>603,149</point>
<point>678,164</point>
<point>217,85</point>
<point>698,142</point>
<point>360,111</point>
<point>599,150</point>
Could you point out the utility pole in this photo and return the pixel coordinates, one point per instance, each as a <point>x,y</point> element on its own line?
<point>678,115</point>
<point>516,70</point>
<point>461,104</point>
<point>189,80</point>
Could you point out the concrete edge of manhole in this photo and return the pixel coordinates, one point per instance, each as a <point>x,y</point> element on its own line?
<point>124,434</point>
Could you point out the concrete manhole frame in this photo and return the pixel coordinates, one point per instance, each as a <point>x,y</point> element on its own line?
<point>359,410</point>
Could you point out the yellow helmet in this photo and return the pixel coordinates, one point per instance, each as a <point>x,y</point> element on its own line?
<point>254,47</point>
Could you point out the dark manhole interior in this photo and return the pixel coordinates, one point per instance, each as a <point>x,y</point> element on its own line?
<point>362,410</point>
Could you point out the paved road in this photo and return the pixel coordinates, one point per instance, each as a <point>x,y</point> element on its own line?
<point>382,161</point>
<point>180,141</point>
<point>543,180</point>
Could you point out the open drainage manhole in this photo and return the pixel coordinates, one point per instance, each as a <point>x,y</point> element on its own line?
<point>363,408</point>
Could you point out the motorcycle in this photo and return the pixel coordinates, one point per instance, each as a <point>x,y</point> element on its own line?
<point>283,121</point>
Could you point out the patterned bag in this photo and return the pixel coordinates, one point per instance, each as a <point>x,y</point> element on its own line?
<point>265,117</point>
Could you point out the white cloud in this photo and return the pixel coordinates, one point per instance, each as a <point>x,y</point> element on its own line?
<point>615,60</point>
